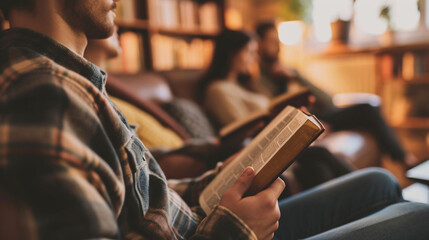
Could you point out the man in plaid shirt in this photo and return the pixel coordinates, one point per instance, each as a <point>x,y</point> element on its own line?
<point>71,167</point>
<point>72,157</point>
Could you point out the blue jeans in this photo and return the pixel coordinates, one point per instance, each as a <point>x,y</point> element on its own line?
<point>365,204</point>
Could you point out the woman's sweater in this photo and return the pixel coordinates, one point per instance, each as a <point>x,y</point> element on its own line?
<point>227,101</point>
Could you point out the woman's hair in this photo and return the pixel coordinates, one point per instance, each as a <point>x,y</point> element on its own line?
<point>7,5</point>
<point>263,27</point>
<point>227,45</point>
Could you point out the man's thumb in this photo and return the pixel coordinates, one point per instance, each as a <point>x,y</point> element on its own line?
<point>243,182</point>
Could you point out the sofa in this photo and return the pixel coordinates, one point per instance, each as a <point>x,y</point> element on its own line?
<point>151,90</point>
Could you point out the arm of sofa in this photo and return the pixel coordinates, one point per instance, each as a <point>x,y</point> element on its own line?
<point>139,89</point>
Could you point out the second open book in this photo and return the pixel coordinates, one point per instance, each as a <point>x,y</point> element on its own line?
<point>269,153</point>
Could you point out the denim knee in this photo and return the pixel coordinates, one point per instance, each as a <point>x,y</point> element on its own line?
<point>378,175</point>
<point>382,178</point>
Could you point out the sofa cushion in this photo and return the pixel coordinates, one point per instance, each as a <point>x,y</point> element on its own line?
<point>191,117</point>
<point>120,88</point>
<point>148,129</point>
<point>148,85</point>
<point>184,83</point>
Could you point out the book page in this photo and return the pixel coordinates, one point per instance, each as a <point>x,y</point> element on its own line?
<point>256,154</point>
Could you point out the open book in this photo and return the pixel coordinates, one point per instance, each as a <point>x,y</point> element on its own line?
<point>269,153</point>
<point>237,129</point>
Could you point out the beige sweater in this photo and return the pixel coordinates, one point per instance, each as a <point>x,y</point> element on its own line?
<point>227,101</point>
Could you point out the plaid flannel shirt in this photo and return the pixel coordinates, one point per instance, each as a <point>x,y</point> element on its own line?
<point>74,166</point>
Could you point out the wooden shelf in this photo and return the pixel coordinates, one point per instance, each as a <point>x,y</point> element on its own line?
<point>333,49</point>
<point>421,79</point>
<point>135,25</point>
<point>183,32</point>
<point>143,25</point>
<point>413,123</point>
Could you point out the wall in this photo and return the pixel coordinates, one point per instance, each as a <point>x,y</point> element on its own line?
<point>339,74</point>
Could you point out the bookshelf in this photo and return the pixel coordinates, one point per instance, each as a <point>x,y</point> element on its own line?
<point>166,34</point>
<point>399,74</point>
<point>403,83</point>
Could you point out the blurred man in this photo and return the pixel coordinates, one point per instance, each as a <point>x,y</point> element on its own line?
<point>71,157</point>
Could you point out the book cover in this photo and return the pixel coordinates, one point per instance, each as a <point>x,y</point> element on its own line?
<point>269,153</point>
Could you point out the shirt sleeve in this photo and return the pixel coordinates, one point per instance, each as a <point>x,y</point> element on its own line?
<point>68,190</point>
<point>221,223</point>
<point>190,188</point>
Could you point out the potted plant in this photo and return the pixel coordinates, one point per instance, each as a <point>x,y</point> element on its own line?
<point>340,27</point>
<point>387,38</point>
<point>340,31</point>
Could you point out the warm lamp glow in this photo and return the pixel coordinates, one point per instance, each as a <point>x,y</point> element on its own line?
<point>290,33</point>
<point>322,31</point>
<point>405,15</point>
<point>331,10</point>
<point>233,19</point>
<point>368,17</point>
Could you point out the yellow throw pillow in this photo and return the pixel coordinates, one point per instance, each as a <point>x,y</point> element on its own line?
<point>151,132</point>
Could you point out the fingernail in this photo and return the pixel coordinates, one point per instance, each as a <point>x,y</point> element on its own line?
<point>248,171</point>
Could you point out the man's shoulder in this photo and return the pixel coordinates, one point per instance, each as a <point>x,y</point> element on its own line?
<point>22,68</point>
<point>20,61</point>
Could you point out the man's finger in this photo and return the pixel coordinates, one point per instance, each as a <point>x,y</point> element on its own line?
<point>243,183</point>
<point>275,189</point>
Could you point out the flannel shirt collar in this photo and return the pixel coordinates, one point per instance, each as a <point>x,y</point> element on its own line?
<point>46,46</point>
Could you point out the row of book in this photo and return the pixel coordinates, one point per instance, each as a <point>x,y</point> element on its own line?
<point>171,53</point>
<point>167,53</point>
<point>126,10</point>
<point>186,15</point>
<point>409,65</point>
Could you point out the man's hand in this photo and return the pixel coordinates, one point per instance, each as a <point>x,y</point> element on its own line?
<point>260,212</point>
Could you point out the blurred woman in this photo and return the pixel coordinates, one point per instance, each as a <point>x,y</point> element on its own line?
<point>228,90</point>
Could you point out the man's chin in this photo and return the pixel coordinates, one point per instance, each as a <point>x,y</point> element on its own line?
<point>101,33</point>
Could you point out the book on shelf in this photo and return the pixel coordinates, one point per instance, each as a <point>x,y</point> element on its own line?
<point>163,13</point>
<point>168,13</point>
<point>386,67</point>
<point>131,59</point>
<point>188,15</point>
<point>269,153</point>
<point>238,128</point>
<point>162,52</point>
<point>126,10</point>
<point>184,15</point>
<point>408,66</point>
<point>208,17</point>
<point>415,64</point>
